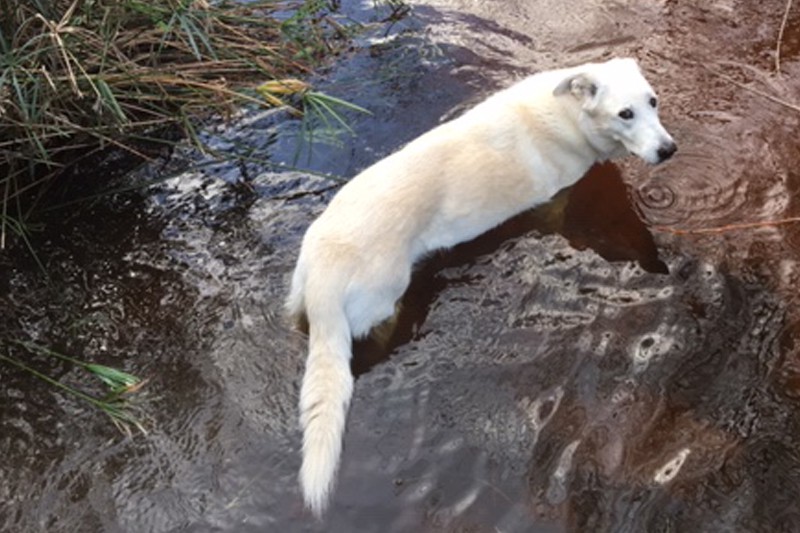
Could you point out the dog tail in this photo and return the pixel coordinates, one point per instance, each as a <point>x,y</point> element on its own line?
<point>324,401</point>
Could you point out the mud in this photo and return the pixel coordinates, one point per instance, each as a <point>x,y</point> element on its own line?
<point>583,367</point>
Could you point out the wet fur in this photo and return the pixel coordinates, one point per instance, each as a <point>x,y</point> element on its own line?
<point>508,154</point>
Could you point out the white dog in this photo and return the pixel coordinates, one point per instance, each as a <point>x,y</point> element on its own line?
<point>508,154</point>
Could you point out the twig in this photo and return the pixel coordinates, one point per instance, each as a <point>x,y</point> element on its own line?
<point>780,36</point>
<point>759,92</point>
<point>726,228</point>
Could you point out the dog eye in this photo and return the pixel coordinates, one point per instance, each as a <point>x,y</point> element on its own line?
<point>653,102</point>
<point>626,114</point>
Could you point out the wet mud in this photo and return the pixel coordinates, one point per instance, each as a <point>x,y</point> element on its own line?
<point>583,367</point>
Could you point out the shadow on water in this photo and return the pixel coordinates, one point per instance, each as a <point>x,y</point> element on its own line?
<point>581,367</point>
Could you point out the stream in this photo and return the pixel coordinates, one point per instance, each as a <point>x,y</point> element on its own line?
<point>583,367</point>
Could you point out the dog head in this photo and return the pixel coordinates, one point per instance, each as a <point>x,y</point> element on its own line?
<point>618,110</point>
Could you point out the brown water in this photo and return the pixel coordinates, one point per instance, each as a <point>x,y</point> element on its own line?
<point>578,369</point>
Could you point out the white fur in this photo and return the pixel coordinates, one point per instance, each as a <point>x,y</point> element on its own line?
<point>508,154</point>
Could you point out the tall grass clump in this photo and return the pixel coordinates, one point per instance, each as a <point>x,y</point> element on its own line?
<point>77,76</point>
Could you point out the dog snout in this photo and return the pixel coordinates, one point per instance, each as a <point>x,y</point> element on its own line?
<point>665,151</point>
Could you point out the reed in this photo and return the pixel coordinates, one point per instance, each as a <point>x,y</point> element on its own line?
<point>77,76</point>
<point>117,403</point>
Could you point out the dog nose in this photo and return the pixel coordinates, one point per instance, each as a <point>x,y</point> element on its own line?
<point>666,151</point>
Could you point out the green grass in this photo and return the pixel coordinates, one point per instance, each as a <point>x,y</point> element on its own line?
<point>117,404</point>
<point>322,114</point>
<point>81,76</point>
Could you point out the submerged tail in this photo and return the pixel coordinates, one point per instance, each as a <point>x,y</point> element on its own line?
<point>324,400</point>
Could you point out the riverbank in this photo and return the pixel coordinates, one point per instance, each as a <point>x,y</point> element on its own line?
<point>82,78</point>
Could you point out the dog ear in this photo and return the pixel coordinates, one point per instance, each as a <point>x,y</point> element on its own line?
<point>579,85</point>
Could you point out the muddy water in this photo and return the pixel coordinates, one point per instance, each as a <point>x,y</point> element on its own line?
<point>581,368</point>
